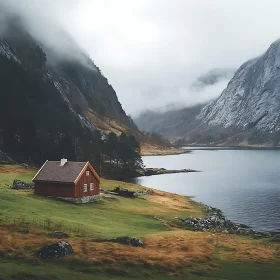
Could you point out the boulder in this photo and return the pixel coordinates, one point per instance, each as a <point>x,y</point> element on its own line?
<point>124,192</point>
<point>127,240</point>
<point>55,251</point>
<point>20,185</point>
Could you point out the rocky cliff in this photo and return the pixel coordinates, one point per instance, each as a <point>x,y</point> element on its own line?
<point>246,112</point>
<point>252,97</point>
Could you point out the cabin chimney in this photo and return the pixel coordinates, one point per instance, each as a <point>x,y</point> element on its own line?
<point>63,161</point>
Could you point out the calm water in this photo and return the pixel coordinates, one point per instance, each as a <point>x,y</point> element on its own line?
<point>244,184</point>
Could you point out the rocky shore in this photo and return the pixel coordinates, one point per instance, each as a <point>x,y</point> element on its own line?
<point>160,171</point>
<point>217,222</point>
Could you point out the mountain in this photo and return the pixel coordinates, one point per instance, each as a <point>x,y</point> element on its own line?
<point>172,124</point>
<point>246,113</point>
<point>51,97</point>
<point>252,97</point>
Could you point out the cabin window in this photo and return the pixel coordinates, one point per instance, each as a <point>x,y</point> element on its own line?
<point>87,173</point>
<point>85,187</point>
<point>91,186</point>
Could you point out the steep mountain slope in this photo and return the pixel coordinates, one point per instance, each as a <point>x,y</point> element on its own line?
<point>78,80</point>
<point>49,98</point>
<point>252,97</point>
<point>247,112</point>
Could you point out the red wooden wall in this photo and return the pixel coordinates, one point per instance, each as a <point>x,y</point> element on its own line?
<point>54,189</point>
<point>79,188</point>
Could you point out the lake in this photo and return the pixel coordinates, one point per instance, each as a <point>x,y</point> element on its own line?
<point>244,184</point>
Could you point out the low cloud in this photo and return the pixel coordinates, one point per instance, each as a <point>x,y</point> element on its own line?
<point>167,99</point>
<point>155,53</point>
<point>213,77</point>
<point>44,23</point>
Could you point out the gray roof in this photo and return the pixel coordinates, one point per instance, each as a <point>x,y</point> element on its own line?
<point>51,171</point>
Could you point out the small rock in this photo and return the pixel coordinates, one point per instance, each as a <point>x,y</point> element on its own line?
<point>24,231</point>
<point>26,166</point>
<point>55,251</point>
<point>60,234</point>
<point>109,197</point>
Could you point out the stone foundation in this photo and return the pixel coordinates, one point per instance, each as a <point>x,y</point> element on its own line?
<point>79,200</point>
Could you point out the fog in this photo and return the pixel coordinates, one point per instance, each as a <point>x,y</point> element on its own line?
<point>156,53</point>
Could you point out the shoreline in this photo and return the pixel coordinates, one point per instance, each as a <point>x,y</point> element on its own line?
<point>153,150</point>
<point>162,171</point>
<point>217,222</point>
<point>241,147</point>
<point>214,220</point>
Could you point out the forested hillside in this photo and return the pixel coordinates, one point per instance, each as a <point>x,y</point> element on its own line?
<point>52,105</point>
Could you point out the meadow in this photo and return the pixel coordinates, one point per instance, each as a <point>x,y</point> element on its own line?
<point>170,251</point>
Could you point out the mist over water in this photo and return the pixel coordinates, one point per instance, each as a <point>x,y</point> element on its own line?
<point>244,184</point>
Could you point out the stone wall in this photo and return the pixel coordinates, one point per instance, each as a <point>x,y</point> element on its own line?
<point>79,200</point>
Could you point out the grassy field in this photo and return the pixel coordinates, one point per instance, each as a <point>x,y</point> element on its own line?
<point>169,250</point>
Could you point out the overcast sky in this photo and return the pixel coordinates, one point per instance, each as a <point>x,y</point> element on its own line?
<point>153,51</point>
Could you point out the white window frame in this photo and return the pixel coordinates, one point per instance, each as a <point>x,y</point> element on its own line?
<point>87,173</point>
<point>91,185</point>
<point>85,187</point>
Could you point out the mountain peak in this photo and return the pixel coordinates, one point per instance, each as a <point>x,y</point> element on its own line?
<point>252,97</point>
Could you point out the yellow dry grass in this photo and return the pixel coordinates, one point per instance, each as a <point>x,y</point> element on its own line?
<point>169,202</point>
<point>231,247</point>
<point>14,169</point>
<point>169,251</point>
<point>156,202</point>
<point>148,149</point>
<point>105,124</point>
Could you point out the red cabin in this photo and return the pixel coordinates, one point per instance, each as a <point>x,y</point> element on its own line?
<point>73,181</point>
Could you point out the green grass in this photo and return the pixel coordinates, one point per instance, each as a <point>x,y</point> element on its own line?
<point>106,219</point>
<point>247,270</point>
<point>7,178</point>
<point>103,219</point>
<point>19,269</point>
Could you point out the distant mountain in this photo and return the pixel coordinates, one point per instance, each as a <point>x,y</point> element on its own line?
<point>171,124</point>
<point>48,96</point>
<point>247,112</point>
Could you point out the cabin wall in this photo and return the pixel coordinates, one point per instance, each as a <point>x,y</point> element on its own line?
<point>79,189</point>
<point>54,189</point>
